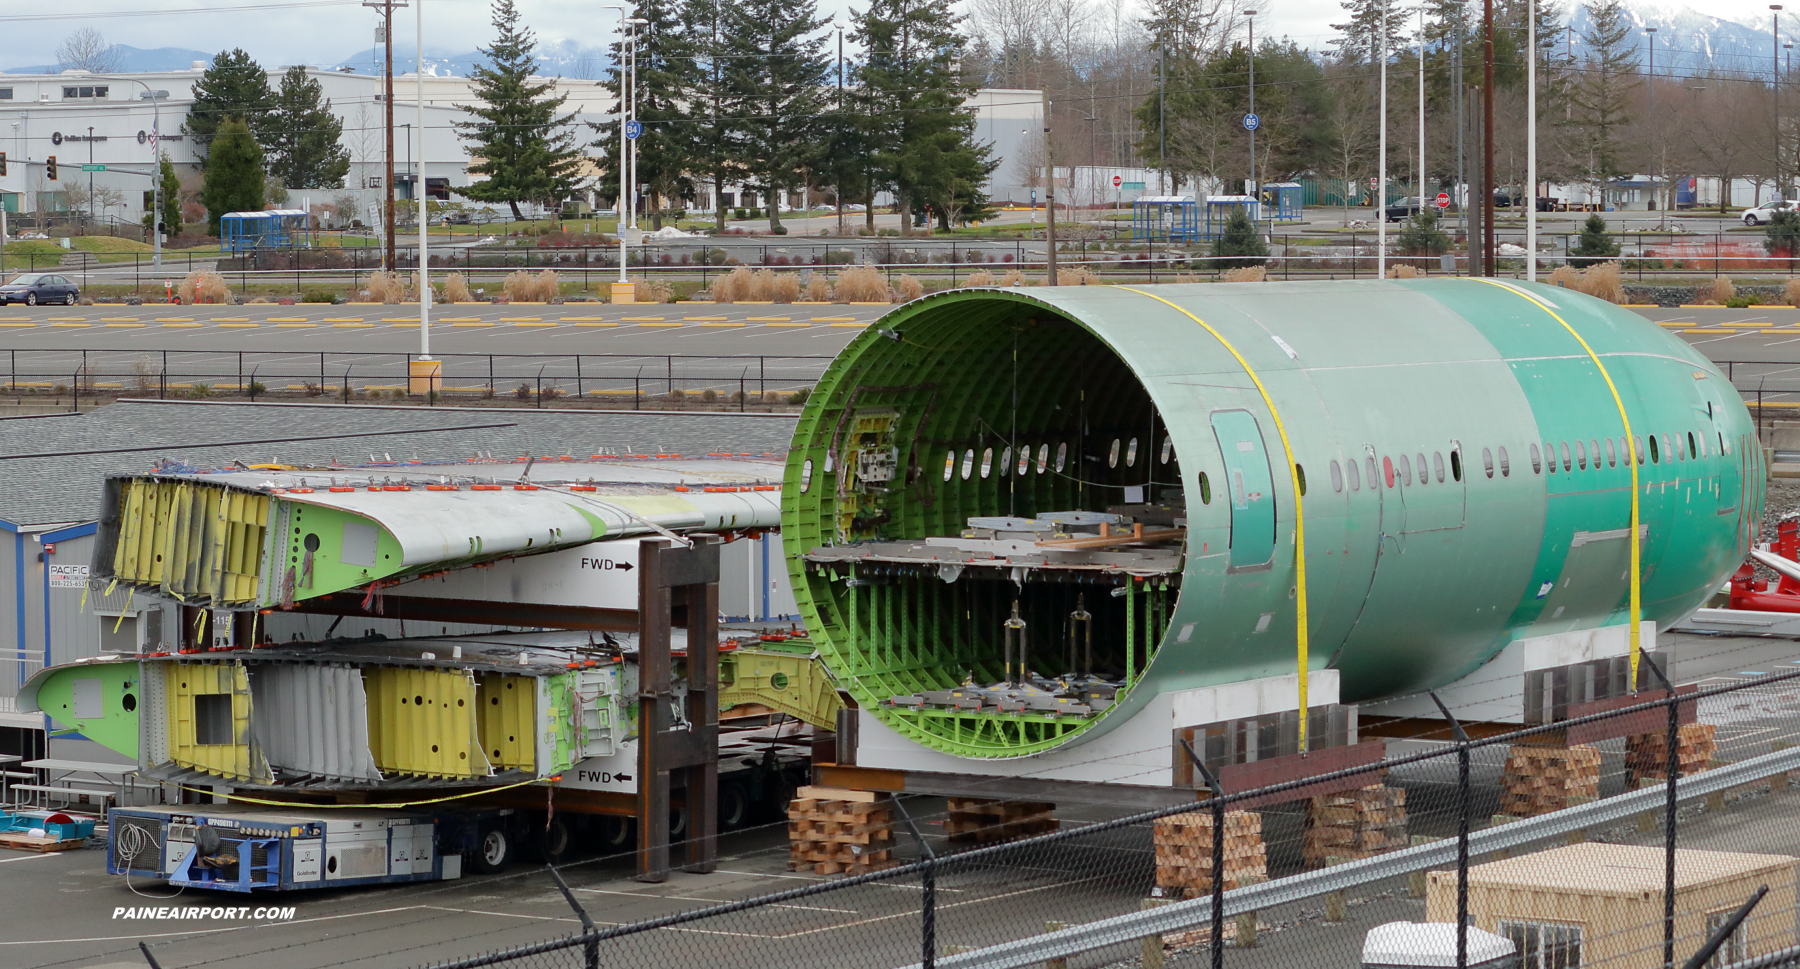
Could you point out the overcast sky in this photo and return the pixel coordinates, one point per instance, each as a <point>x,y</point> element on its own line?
<point>283,32</point>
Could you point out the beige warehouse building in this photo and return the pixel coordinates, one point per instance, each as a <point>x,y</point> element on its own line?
<point>1601,905</point>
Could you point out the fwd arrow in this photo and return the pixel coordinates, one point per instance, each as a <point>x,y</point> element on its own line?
<point>624,566</point>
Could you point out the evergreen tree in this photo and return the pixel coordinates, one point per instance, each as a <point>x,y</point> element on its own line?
<point>1604,93</point>
<point>303,135</point>
<point>527,153</point>
<point>666,69</point>
<point>777,52</point>
<point>171,205</point>
<point>233,87</point>
<point>1782,237</point>
<point>922,137</point>
<point>1420,236</point>
<point>1239,244</point>
<point>715,142</point>
<point>1359,40</point>
<point>1595,245</point>
<point>234,173</point>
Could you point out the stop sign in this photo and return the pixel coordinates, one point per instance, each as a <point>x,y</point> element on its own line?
<point>1443,200</point>
<point>1117,181</point>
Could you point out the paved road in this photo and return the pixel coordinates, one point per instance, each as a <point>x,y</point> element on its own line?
<point>158,348</point>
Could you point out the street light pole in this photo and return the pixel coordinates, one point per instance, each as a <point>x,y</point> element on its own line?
<point>91,176</point>
<point>1250,16</point>
<point>1776,66</point>
<point>1531,207</point>
<point>424,218</point>
<point>1381,152</point>
<point>1662,169</point>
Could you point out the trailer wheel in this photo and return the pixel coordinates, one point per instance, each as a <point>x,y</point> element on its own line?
<point>616,835</point>
<point>734,806</point>
<point>778,790</point>
<point>553,842</point>
<point>493,852</point>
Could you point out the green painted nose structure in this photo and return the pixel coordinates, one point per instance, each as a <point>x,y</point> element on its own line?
<point>1013,516</point>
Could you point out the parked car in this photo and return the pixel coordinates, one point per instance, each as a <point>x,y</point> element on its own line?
<point>36,288</point>
<point>1405,208</point>
<point>1765,212</point>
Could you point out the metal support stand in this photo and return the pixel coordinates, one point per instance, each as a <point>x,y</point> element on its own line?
<point>590,948</point>
<point>1462,835</point>
<point>692,751</point>
<point>928,891</point>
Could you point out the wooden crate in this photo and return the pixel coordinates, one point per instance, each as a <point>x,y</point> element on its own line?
<point>1354,824</point>
<point>836,831</point>
<point>1539,780</point>
<point>1646,754</point>
<point>981,821</point>
<point>1184,851</point>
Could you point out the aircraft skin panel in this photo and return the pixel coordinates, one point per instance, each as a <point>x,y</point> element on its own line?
<point>508,719</point>
<point>209,720</point>
<point>313,720</point>
<point>422,722</point>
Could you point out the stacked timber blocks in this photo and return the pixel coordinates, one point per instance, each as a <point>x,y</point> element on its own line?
<point>1184,852</point>
<point>832,831</point>
<point>982,821</point>
<point>1544,779</point>
<point>1647,754</point>
<point>1355,824</point>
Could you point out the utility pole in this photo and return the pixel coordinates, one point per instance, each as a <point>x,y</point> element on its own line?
<point>839,189</point>
<point>1775,58</point>
<point>1423,201</point>
<point>1489,267</point>
<point>1049,195</point>
<point>386,9</point>
<point>1250,186</point>
<point>91,173</point>
<point>1531,122</point>
<point>1462,175</point>
<point>1381,152</point>
<point>1162,124</point>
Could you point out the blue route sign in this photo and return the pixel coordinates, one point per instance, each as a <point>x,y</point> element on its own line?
<point>1251,122</point>
<point>633,129</point>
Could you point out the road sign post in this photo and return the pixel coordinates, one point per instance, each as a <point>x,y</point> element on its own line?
<point>93,168</point>
<point>1443,200</point>
<point>633,129</point>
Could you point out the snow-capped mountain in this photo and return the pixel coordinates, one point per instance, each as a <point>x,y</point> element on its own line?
<point>564,58</point>
<point>1691,42</point>
<point>133,59</point>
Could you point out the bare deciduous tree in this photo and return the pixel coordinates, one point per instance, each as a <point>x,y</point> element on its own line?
<point>87,50</point>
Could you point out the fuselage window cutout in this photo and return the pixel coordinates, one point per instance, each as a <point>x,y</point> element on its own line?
<point>1702,443</point>
<point>1024,460</point>
<point>1387,470</point>
<point>1580,454</point>
<point>1655,452</point>
<point>1672,447</point>
<point>1456,464</point>
<point>1205,489</point>
<point>1638,438</point>
<point>1373,477</point>
<point>1424,470</point>
<point>1550,456</point>
<point>1112,456</point>
<point>1568,461</point>
<point>968,467</point>
<point>987,461</point>
<point>805,475</point>
<point>1062,457</point>
<point>1505,464</point>
<point>1043,457</point>
<point>1300,475</point>
<point>1337,477</point>
<point>1594,449</point>
<point>1005,461</point>
<point>1437,465</point>
<point>1405,471</point>
<point>1131,454</point>
<point>949,465</point>
<point>1724,445</point>
<point>1612,458</point>
<point>1536,462</point>
<point>1355,477</point>
<point>1168,449</point>
<point>1487,461</point>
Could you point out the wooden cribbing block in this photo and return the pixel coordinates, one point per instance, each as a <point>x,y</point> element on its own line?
<point>1354,824</point>
<point>982,821</point>
<point>1539,780</point>
<point>1183,845</point>
<point>1647,754</point>
<point>836,831</point>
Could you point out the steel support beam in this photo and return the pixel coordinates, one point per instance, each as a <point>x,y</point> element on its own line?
<point>667,752</point>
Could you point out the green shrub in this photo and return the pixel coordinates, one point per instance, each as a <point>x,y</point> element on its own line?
<point>1596,246</point>
<point>800,396</point>
<point>1782,237</point>
<point>257,388</point>
<point>1420,236</point>
<point>318,296</point>
<point>1745,299</point>
<point>1239,244</point>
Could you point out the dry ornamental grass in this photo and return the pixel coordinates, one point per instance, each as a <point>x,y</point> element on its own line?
<point>205,287</point>
<point>1013,278</point>
<point>652,291</point>
<point>818,289</point>
<point>980,277</point>
<point>1077,276</point>
<point>1401,271</point>
<point>1256,274</point>
<point>1790,292</point>
<point>861,284</point>
<point>907,289</point>
<point>1715,292</point>
<point>456,289</point>
<point>387,287</point>
<point>1600,281</point>
<point>523,287</point>
<point>784,288</point>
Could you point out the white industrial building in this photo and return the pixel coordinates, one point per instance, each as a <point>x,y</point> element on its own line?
<point>81,118</point>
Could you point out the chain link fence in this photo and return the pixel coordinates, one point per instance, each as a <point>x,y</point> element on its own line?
<point>1561,831</point>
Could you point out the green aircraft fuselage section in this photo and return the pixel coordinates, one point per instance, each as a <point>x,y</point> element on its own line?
<point>1464,391</point>
<point>97,700</point>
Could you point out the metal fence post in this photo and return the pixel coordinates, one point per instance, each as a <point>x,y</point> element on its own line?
<point>1671,771</point>
<point>928,893</point>
<point>1462,834</point>
<point>1218,854</point>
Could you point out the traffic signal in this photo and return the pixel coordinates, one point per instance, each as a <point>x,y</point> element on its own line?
<point>50,168</point>
<point>2,163</point>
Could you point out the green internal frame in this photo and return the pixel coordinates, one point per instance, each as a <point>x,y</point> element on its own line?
<point>1051,393</point>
